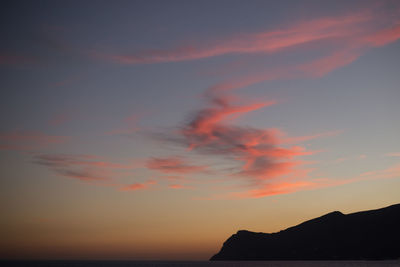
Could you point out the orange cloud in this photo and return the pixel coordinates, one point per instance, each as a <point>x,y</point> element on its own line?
<point>137,186</point>
<point>285,188</point>
<point>178,186</point>
<point>132,187</point>
<point>279,188</point>
<point>173,165</point>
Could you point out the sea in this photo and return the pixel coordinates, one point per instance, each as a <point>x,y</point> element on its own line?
<point>201,263</point>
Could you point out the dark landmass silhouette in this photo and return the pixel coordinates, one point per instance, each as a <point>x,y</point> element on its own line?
<point>366,235</point>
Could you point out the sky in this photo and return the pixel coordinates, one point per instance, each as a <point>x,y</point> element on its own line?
<point>153,130</point>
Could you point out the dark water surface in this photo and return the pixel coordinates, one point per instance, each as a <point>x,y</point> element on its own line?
<point>202,263</point>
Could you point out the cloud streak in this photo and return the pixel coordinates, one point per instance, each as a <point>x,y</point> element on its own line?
<point>173,165</point>
<point>92,169</point>
<point>353,34</point>
<point>261,42</point>
<point>365,27</point>
<point>7,59</point>
<point>393,154</point>
<point>138,186</point>
<point>130,126</point>
<point>82,167</point>
<point>25,141</point>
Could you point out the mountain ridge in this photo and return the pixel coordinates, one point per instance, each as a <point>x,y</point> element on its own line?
<point>364,235</point>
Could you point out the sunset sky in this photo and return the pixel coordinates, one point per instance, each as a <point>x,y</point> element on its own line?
<point>156,129</point>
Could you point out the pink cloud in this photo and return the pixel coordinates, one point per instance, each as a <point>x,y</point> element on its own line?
<point>366,27</point>
<point>173,165</point>
<point>263,42</point>
<point>260,157</point>
<point>266,159</point>
<point>19,140</point>
<point>261,151</point>
<point>202,129</point>
<point>327,64</point>
<point>354,32</point>
<point>384,36</point>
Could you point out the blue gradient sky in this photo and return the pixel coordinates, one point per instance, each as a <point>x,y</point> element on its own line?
<point>155,129</point>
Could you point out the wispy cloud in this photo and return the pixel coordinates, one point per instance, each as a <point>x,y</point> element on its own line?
<point>26,140</point>
<point>384,36</point>
<point>391,172</point>
<point>173,165</point>
<point>82,167</point>
<point>60,118</point>
<point>260,157</point>
<point>365,27</point>
<point>300,139</point>
<point>350,158</point>
<point>261,151</point>
<point>93,170</point>
<point>392,154</point>
<point>280,186</point>
<point>179,186</point>
<point>129,126</point>
<point>138,186</point>
<point>275,189</point>
<point>261,42</point>
<point>354,33</point>
<point>8,59</point>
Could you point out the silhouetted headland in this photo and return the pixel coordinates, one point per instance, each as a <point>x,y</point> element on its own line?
<point>366,235</point>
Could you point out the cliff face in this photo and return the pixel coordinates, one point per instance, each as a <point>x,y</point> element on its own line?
<point>367,235</point>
